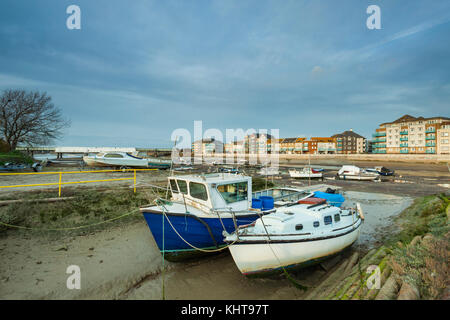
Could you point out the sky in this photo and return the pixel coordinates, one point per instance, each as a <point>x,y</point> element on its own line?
<point>137,70</point>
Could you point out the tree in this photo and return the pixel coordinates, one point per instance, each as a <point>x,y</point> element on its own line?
<point>29,118</point>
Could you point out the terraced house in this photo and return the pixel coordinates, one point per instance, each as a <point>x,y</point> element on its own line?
<point>410,135</point>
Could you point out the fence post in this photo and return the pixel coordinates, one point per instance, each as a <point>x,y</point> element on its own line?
<point>134,180</point>
<point>59,186</point>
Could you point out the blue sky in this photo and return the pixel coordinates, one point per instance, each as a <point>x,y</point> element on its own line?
<point>137,70</point>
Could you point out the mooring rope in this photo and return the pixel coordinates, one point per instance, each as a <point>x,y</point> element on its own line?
<point>69,228</point>
<point>184,240</point>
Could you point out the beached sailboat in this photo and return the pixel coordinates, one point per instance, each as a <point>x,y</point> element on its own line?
<point>202,207</point>
<point>349,172</point>
<point>294,236</point>
<point>306,172</point>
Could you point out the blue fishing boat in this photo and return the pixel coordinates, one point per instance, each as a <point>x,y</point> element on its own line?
<point>202,207</point>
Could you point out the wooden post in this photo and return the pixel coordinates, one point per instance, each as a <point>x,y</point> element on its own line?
<point>134,180</point>
<point>59,187</point>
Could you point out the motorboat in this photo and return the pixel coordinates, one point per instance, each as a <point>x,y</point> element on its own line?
<point>306,172</point>
<point>350,172</point>
<point>201,206</point>
<point>383,171</point>
<point>124,160</point>
<point>268,171</point>
<point>294,236</point>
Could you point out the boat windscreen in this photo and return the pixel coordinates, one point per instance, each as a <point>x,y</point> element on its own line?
<point>233,192</point>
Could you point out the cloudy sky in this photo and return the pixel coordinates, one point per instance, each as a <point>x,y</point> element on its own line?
<point>137,70</point>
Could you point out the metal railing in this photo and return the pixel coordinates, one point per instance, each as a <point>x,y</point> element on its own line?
<point>60,174</point>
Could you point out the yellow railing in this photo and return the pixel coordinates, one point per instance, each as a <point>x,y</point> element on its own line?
<point>61,173</point>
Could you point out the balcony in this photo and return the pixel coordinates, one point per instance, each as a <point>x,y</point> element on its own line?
<point>431,151</point>
<point>404,151</point>
<point>380,145</point>
<point>379,134</point>
<point>404,139</point>
<point>379,140</point>
<point>430,138</point>
<point>402,145</point>
<point>430,130</point>
<point>404,132</point>
<point>379,151</point>
<point>430,144</point>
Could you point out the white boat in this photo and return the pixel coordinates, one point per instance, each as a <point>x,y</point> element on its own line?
<point>306,172</point>
<point>115,159</point>
<point>350,172</point>
<point>268,171</point>
<point>293,236</point>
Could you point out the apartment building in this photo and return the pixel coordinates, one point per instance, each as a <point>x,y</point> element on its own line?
<point>443,139</point>
<point>349,142</point>
<point>408,135</point>
<point>207,147</point>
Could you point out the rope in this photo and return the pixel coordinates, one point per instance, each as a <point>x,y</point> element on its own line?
<point>184,240</point>
<point>69,228</point>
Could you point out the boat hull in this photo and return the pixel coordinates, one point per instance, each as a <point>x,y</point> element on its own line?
<point>202,233</point>
<point>261,259</point>
<point>357,177</point>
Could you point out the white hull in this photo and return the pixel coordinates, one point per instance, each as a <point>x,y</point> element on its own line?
<point>99,162</point>
<point>252,258</point>
<point>357,177</point>
<point>303,175</point>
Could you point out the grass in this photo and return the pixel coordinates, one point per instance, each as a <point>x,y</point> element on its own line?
<point>424,263</point>
<point>15,156</point>
<point>88,207</point>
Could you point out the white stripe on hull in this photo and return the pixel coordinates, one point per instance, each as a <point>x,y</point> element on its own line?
<point>261,257</point>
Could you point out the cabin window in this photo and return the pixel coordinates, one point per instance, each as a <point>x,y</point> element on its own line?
<point>327,220</point>
<point>337,218</point>
<point>173,186</point>
<point>316,224</point>
<point>299,227</point>
<point>113,155</point>
<point>183,186</point>
<point>198,190</point>
<point>233,192</point>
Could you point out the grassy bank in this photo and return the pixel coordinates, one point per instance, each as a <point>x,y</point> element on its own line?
<point>83,208</point>
<point>15,156</point>
<point>412,264</point>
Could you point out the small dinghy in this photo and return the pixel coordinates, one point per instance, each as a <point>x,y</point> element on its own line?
<point>294,236</point>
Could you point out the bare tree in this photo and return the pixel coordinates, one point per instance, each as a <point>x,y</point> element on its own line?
<point>29,118</point>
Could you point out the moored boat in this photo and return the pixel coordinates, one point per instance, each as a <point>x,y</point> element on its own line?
<point>293,237</point>
<point>306,172</point>
<point>202,207</point>
<point>349,172</point>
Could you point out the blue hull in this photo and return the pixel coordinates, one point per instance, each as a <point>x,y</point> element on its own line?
<point>203,233</point>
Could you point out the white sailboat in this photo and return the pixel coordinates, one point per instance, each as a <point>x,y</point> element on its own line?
<point>306,172</point>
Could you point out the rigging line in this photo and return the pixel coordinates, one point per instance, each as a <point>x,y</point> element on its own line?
<point>288,276</point>
<point>70,228</point>
<point>185,241</point>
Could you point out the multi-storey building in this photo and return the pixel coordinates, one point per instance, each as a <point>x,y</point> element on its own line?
<point>350,142</point>
<point>408,135</point>
<point>443,138</point>
<point>207,147</point>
